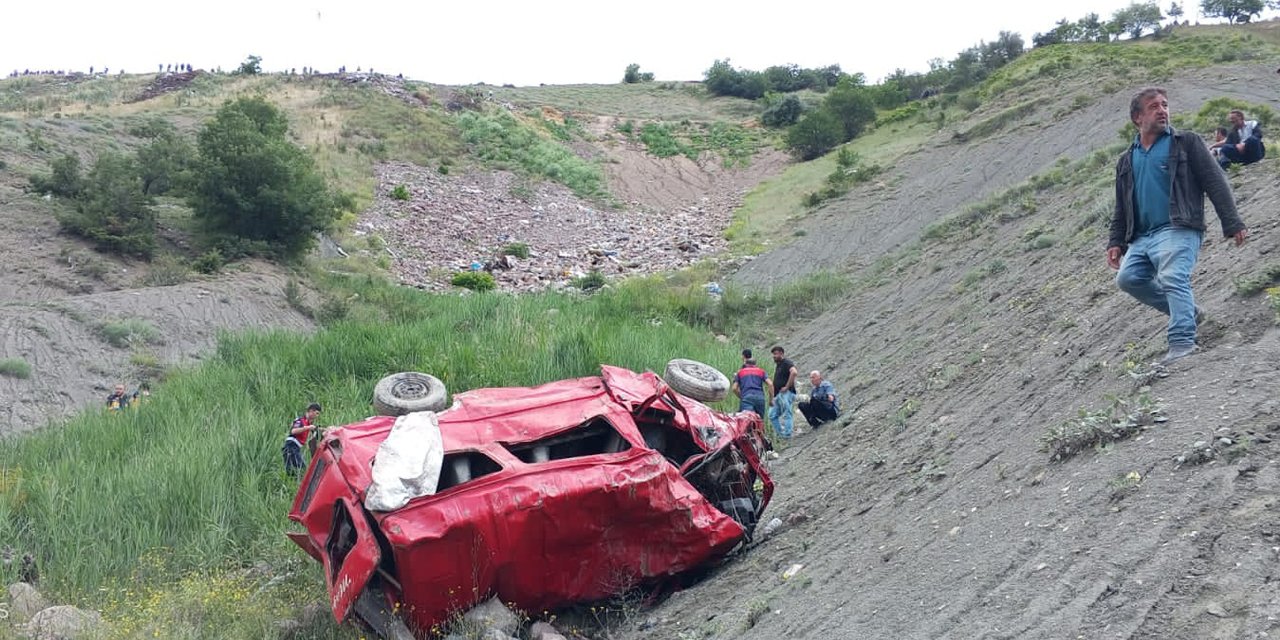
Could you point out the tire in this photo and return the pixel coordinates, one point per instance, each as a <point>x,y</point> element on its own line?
<point>407,392</point>
<point>696,380</point>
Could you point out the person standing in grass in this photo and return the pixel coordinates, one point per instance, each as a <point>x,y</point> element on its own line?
<point>301,429</point>
<point>118,398</point>
<point>781,414</point>
<point>1158,226</point>
<point>750,385</point>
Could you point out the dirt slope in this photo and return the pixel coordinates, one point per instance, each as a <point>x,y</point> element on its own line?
<point>58,295</point>
<point>932,511</point>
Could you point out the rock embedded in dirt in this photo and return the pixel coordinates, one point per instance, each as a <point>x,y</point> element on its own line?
<point>64,622</point>
<point>492,615</point>
<point>26,601</point>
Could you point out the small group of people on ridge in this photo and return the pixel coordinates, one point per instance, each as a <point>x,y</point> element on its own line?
<point>756,391</point>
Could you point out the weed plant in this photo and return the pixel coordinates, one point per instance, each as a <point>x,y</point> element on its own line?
<point>15,368</point>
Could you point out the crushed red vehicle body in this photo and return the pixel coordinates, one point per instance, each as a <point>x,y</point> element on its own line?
<point>547,496</point>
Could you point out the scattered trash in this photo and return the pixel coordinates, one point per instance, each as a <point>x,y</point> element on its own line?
<point>713,288</point>
<point>771,527</point>
<point>792,571</point>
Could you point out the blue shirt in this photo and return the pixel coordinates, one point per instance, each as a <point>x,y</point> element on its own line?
<point>826,393</point>
<point>1151,184</point>
<point>751,381</point>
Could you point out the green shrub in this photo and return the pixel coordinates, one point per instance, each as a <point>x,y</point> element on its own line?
<point>517,249</point>
<point>64,180</point>
<point>474,280</point>
<point>815,134</point>
<point>209,262</point>
<point>113,211</point>
<point>123,333</point>
<point>783,112</point>
<point>15,368</point>
<point>400,192</point>
<point>592,281</point>
<point>165,271</point>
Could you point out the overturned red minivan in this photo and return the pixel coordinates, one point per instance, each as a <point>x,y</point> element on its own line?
<point>544,496</point>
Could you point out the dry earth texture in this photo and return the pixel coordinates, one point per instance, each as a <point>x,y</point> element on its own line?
<point>1009,465</point>
<point>968,354</point>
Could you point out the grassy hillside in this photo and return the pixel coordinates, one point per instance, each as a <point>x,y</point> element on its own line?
<point>170,517</point>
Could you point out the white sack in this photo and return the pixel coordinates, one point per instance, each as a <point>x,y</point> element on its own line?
<point>408,462</point>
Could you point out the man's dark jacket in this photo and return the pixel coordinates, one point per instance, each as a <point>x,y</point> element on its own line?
<point>1194,174</point>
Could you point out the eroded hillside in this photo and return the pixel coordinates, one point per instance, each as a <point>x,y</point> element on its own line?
<point>982,326</point>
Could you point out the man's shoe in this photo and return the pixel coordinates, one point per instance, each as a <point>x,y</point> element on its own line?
<point>1199,316</point>
<point>1178,352</point>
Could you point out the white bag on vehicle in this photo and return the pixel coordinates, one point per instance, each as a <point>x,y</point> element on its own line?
<point>408,462</point>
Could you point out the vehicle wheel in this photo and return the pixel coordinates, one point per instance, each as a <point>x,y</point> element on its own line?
<point>407,392</point>
<point>696,380</point>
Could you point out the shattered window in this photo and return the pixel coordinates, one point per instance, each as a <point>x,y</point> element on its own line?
<point>593,437</point>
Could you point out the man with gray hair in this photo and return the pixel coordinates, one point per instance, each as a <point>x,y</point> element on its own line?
<point>822,405</point>
<point>1158,226</point>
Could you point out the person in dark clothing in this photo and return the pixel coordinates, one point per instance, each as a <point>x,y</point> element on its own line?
<point>751,385</point>
<point>299,431</point>
<point>782,414</point>
<point>1243,144</point>
<point>118,399</point>
<point>1158,226</point>
<point>823,406</point>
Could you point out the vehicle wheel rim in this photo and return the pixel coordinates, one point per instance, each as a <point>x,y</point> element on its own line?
<point>700,373</point>
<point>409,389</point>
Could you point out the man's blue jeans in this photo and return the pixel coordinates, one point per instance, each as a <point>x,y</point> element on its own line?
<point>1157,271</point>
<point>1253,152</point>
<point>781,414</point>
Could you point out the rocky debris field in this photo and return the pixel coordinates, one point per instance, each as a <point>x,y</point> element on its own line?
<point>451,223</point>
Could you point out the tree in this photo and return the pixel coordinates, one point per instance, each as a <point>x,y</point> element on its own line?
<point>252,66</point>
<point>113,211</point>
<point>165,161</point>
<point>1233,10</point>
<point>633,75</point>
<point>1175,11</point>
<point>815,134</point>
<point>851,104</point>
<point>253,183</point>
<point>782,111</point>
<point>64,179</point>
<point>1138,18</point>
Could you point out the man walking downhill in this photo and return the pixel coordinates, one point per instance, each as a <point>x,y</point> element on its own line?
<point>1158,225</point>
<point>781,414</point>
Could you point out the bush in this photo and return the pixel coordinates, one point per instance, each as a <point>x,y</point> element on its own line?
<point>474,280</point>
<point>164,163</point>
<point>64,180</point>
<point>517,249</point>
<point>400,192</point>
<point>851,104</point>
<point>209,262</point>
<point>590,282</point>
<point>123,333</point>
<point>251,66</point>
<point>254,183</point>
<point>782,113</point>
<point>15,368</point>
<point>815,134</point>
<point>113,212</point>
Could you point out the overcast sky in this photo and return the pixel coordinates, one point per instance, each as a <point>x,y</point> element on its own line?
<point>518,42</point>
